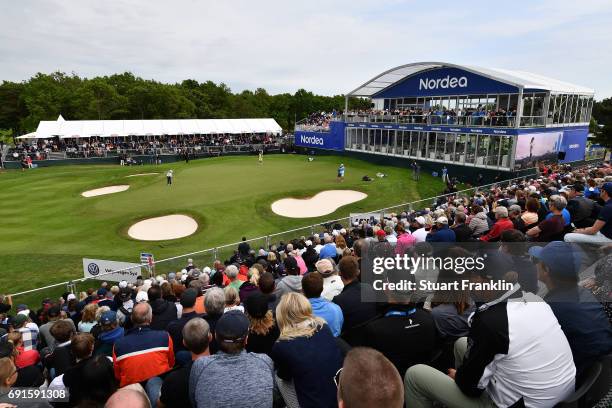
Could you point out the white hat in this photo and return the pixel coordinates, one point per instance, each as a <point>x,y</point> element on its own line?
<point>308,243</point>
<point>183,270</point>
<point>420,219</point>
<point>206,270</point>
<point>442,220</point>
<point>183,278</point>
<point>262,252</point>
<point>71,296</point>
<point>335,233</point>
<point>142,297</point>
<point>343,231</point>
<point>190,261</point>
<point>123,284</point>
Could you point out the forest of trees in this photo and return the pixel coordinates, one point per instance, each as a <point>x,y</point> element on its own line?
<point>125,96</point>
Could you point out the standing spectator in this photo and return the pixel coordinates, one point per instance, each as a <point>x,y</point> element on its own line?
<point>383,387</point>
<point>53,314</point>
<point>601,230</point>
<point>164,312</point>
<point>143,353</point>
<point>208,379</point>
<point>29,331</point>
<point>110,333</point>
<point>502,223</point>
<point>88,318</point>
<point>263,331</point>
<point>306,354</point>
<point>196,338</point>
<point>312,286</point>
<point>292,282</point>
<point>244,248</point>
<point>355,311</point>
<point>175,328</point>
<point>332,284</point>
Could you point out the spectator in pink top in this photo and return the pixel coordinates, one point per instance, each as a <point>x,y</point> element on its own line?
<point>404,240</point>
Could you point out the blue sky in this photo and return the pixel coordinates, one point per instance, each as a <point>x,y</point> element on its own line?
<point>329,47</point>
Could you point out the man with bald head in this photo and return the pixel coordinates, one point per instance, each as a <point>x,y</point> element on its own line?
<point>143,353</point>
<point>128,397</point>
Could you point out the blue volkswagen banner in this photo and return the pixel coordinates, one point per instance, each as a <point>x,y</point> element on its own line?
<point>445,81</point>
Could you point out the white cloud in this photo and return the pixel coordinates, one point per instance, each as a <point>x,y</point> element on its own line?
<point>326,46</point>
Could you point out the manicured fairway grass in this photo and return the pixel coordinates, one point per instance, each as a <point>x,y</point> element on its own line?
<point>47,227</point>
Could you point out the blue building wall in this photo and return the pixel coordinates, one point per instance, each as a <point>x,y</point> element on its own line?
<point>332,140</point>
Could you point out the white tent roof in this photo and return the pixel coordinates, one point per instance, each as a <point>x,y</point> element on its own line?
<point>31,135</point>
<point>519,79</point>
<point>110,128</point>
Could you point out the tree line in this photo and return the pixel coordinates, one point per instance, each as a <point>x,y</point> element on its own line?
<point>126,96</point>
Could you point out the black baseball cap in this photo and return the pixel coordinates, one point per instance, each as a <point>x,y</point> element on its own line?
<point>232,327</point>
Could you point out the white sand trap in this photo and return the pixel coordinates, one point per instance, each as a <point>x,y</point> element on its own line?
<point>162,228</point>
<point>141,174</point>
<point>105,190</point>
<point>323,203</point>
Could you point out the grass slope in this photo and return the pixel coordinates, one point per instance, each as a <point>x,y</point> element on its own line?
<point>47,227</point>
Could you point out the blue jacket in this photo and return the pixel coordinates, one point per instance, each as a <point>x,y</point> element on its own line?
<point>443,234</point>
<point>566,216</point>
<point>328,311</point>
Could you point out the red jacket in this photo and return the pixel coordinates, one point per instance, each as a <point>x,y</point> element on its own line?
<point>500,226</point>
<point>143,353</point>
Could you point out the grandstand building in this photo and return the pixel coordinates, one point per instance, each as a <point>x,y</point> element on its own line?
<point>480,118</point>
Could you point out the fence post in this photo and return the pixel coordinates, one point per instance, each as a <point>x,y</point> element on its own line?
<point>267,242</point>
<point>312,230</point>
<point>215,253</point>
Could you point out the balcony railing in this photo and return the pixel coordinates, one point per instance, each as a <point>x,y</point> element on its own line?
<point>449,120</point>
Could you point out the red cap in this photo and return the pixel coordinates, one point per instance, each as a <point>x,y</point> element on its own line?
<point>381,233</point>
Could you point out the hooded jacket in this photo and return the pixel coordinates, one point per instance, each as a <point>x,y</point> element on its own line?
<point>290,283</point>
<point>479,224</point>
<point>163,313</point>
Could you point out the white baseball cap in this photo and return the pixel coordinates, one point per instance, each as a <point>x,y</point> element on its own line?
<point>442,220</point>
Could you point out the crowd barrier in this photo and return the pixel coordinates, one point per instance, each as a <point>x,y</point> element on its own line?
<point>206,257</point>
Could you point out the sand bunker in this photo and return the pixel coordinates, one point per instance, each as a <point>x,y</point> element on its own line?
<point>141,174</point>
<point>105,190</point>
<point>162,228</point>
<point>325,202</point>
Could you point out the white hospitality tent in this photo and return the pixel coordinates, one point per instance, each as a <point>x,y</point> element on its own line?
<point>66,129</point>
<point>31,135</point>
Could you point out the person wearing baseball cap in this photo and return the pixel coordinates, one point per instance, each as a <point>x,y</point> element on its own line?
<point>581,316</point>
<point>381,235</point>
<point>442,233</point>
<point>111,332</point>
<point>208,379</point>
<point>579,207</point>
<point>601,230</point>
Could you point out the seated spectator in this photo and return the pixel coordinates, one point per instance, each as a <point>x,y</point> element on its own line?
<point>196,285</point>
<point>383,387</point>
<point>478,223</point>
<point>514,342</point>
<point>580,315</point>
<point>232,273</point>
<point>422,227</point>
<point>305,354</point>
<point>552,227</point>
<point>29,376</point>
<point>263,331</point>
<point>601,230</point>
<point>164,311</point>
<point>208,378</point>
<point>405,334</point>
<point>502,223</point>
<point>442,232</point>
<point>232,300</point>
<point>174,392</point>
<point>332,284</point>
<point>61,358</point>
<point>175,328</point>
<point>109,334</point>
<point>463,233</point>
<point>581,209</point>
<point>312,287</point>
<point>292,282</point>
<point>250,286</point>
<point>530,216</point>
<point>355,311</point>
<point>514,214</point>
<point>143,352</point>
<point>88,318</point>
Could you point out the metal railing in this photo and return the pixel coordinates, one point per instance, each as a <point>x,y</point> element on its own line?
<point>208,256</point>
<point>449,120</point>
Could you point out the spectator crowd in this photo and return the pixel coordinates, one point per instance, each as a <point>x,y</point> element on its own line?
<point>289,324</point>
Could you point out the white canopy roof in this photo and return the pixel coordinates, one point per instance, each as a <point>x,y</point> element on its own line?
<point>520,79</point>
<point>110,128</point>
<point>31,135</point>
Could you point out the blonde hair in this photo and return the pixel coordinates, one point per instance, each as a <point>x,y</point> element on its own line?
<point>263,325</point>
<point>15,338</point>
<point>231,296</point>
<point>271,256</point>
<point>7,369</point>
<point>294,317</point>
<point>89,313</point>
<point>254,276</point>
